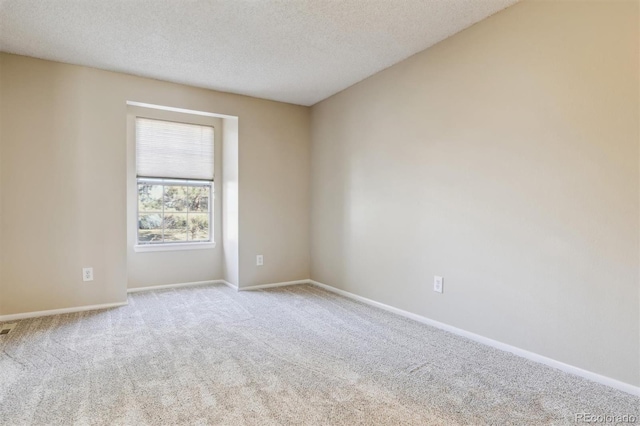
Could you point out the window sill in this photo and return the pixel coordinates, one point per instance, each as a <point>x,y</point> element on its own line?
<point>142,248</point>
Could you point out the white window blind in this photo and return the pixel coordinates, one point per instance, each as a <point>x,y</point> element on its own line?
<point>165,149</point>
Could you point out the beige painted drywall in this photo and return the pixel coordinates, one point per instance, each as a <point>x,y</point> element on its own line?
<point>506,160</point>
<point>230,170</point>
<point>63,174</point>
<point>3,111</point>
<point>148,269</point>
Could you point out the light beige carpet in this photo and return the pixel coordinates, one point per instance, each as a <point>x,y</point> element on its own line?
<point>293,355</point>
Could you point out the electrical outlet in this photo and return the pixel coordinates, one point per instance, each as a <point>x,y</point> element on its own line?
<point>87,274</point>
<point>259,260</point>
<point>437,284</point>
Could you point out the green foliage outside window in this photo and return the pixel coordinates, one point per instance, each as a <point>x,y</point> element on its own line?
<point>173,213</point>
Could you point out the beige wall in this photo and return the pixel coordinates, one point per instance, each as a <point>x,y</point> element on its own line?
<point>274,172</point>
<point>230,171</point>
<point>4,109</point>
<point>506,160</point>
<point>63,174</point>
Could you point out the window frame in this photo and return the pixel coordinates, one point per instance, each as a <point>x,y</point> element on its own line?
<point>174,245</point>
<point>182,183</point>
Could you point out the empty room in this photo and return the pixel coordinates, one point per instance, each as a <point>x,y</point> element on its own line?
<point>319,212</point>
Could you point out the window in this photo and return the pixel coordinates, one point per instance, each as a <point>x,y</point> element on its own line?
<point>174,164</point>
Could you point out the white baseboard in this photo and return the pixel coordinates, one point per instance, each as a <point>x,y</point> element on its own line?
<point>177,285</point>
<point>233,286</point>
<point>595,377</point>
<point>282,284</point>
<point>13,317</point>
<point>227,283</point>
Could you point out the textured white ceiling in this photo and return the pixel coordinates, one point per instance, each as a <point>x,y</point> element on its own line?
<point>297,51</point>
